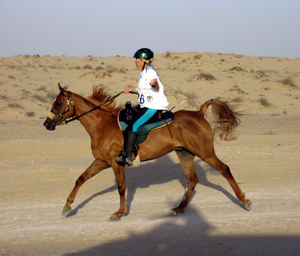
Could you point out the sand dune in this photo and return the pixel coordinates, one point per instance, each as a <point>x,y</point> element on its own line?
<point>266,86</point>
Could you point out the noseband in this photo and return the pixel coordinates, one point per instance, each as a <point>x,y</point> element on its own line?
<point>69,100</point>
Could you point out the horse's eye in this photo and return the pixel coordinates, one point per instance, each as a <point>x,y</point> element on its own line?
<point>58,104</point>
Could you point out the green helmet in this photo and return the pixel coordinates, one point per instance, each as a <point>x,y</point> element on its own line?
<point>144,53</point>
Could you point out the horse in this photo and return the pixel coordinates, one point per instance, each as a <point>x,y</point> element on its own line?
<point>189,135</point>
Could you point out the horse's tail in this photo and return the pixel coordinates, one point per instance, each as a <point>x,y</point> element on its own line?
<point>226,119</point>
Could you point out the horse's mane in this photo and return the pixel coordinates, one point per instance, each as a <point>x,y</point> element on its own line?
<point>100,96</point>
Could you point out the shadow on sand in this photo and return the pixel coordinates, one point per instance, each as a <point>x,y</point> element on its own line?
<point>185,234</point>
<point>149,174</point>
<point>190,234</point>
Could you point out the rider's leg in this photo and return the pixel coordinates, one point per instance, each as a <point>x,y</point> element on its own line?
<point>132,135</point>
<point>141,118</point>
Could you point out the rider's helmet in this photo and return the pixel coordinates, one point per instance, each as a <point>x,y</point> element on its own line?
<point>145,55</point>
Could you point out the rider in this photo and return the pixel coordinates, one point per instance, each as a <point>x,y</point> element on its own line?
<point>151,98</point>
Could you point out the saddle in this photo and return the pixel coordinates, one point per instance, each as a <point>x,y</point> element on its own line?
<point>160,119</point>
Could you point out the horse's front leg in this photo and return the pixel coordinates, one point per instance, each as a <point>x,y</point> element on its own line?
<point>120,178</point>
<point>96,167</point>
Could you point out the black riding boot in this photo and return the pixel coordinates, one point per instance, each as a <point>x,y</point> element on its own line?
<point>126,154</point>
<point>131,139</point>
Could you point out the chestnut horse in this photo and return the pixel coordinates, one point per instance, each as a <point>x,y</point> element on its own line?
<point>189,134</point>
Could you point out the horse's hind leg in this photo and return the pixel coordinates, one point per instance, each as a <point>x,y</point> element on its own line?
<point>187,162</point>
<point>96,167</point>
<point>222,168</point>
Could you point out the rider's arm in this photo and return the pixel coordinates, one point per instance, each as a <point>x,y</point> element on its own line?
<point>154,84</point>
<point>130,89</point>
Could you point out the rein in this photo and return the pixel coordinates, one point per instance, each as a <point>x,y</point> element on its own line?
<point>76,117</point>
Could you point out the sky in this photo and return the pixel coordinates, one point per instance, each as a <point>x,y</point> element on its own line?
<point>104,28</point>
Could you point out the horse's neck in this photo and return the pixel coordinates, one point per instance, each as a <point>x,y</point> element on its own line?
<point>90,119</point>
<point>82,105</point>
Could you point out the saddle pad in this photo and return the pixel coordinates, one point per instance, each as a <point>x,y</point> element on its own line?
<point>144,130</point>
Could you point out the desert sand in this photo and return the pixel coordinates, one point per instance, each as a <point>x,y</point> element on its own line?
<point>39,167</point>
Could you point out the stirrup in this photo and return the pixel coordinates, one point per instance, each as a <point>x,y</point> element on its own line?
<point>120,160</point>
<point>131,163</point>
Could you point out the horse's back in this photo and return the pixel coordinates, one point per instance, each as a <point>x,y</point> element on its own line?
<point>189,118</point>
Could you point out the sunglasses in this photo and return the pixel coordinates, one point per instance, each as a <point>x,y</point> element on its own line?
<point>137,60</point>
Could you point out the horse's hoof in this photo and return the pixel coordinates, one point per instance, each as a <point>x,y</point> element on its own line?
<point>114,218</point>
<point>66,210</point>
<point>172,213</point>
<point>248,206</point>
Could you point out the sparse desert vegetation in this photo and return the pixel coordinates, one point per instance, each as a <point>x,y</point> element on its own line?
<point>289,82</point>
<point>202,76</point>
<point>264,102</point>
<point>186,98</point>
<point>31,80</point>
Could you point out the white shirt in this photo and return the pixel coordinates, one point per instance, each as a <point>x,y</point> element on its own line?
<point>148,97</point>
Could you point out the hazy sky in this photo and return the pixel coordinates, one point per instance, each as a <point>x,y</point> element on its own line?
<point>115,27</point>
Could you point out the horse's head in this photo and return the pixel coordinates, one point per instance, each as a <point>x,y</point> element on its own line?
<point>61,109</point>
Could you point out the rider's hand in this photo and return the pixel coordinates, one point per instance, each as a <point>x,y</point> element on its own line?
<point>153,82</point>
<point>128,89</point>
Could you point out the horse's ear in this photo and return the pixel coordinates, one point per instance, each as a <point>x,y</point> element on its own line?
<point>60,88</point>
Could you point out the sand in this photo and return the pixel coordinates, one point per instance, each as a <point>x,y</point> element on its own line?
<point>39,168</point>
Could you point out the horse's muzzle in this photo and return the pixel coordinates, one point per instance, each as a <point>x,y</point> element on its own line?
<point>50,124</point>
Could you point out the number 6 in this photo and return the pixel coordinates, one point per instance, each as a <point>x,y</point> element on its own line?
<point>142,99</point>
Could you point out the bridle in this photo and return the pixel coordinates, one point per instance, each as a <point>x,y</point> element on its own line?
<point>73,117</point>
<point>61,116</point>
